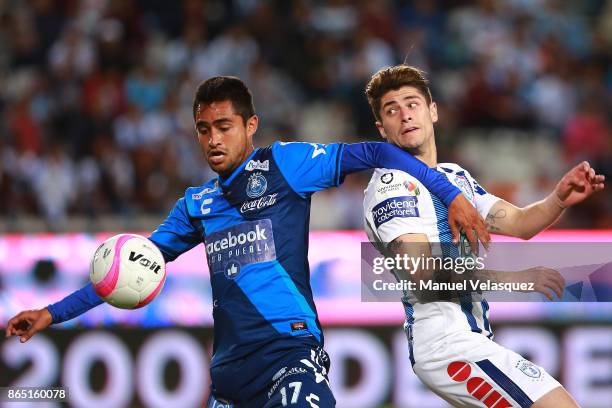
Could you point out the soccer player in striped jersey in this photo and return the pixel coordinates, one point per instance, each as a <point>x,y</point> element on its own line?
<point>253,219</point>
<point>450,340</point>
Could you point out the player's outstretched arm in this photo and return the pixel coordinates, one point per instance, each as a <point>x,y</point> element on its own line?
<point>547,281</point>
<point>29,322</point>
<point>173,237</point>
<point>461,214</point>
<point>310,167</point>
<point>574,187</point>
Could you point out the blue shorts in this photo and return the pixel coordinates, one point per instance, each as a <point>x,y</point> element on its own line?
<point>288,374</point>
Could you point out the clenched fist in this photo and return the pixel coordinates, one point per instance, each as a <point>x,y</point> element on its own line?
<point>463,216</point>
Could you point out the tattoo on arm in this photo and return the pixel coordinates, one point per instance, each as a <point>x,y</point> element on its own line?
<point>493,219</point>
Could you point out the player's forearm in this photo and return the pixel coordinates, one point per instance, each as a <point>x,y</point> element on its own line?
<point>486,275</point>
<point>426,267</point>
<point>539,216</point>
<point>369,155</point>
<point>419,265</point>
<point>452,275</point>
<point>525,222</point>
<point>507,219</point>
<point>74,304</point>
<point>468,279</point>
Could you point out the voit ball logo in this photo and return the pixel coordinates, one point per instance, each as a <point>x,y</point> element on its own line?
<point>256,185</point>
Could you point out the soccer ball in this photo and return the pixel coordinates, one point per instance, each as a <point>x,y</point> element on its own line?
<point>128,271</point>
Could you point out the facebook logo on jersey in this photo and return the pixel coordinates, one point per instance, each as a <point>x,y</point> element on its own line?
<point>243,244</point>
<point>231,269</point>
<point>403,207</point>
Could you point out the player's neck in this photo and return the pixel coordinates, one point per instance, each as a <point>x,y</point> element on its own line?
<point>426,153</point>
<point>430,158</point>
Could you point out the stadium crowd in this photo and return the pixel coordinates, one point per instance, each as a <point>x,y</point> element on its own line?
<point>96,95</point>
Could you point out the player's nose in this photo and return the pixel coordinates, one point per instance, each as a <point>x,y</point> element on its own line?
<point>214,139</point>
<point>406,114</point>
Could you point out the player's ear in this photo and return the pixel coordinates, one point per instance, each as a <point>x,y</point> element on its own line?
<point>251,125</point>
<point>381,129</point>
<point>433,112</point>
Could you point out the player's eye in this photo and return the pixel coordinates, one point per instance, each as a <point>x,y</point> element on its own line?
<point>391,111</point>
<point>413,105</point>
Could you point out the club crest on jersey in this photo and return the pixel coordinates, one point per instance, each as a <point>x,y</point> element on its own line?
<point>386,178</point>
<point>256,185</point>
<point>465,186</point>
<point>257,165</point>
<point>529,369</point>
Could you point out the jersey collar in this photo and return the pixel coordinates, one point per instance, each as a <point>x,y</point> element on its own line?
<point>228,181</point>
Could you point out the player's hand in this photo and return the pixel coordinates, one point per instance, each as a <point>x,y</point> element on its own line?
<point>28,323</point>
<point>578,184</point>
<point>546,281</point>
<point>463,216</point>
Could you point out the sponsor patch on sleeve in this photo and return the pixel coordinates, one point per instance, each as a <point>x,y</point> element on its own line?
<point>402,207</point>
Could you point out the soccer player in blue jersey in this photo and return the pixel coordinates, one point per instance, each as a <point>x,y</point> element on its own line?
<point>253,220</point>
<point>450,341</point>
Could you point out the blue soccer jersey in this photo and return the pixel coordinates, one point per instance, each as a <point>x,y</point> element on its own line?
<point>254,226</point>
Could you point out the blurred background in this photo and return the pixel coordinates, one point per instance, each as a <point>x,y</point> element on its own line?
<point>96,137</point>
<point>95,97</point>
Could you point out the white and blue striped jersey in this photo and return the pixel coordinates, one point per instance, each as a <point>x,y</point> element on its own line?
<point>395,204</point>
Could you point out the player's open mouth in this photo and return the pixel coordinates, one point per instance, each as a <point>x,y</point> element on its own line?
<point>408,130</point>
<point>216,157</point>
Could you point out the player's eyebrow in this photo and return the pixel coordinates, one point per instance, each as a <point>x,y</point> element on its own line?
<point>221,121</point>
<point>217,122</point>
<point>408,97</point>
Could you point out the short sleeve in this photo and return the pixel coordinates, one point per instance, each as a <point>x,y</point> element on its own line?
<point>308,167</point>
<point>483,200</point>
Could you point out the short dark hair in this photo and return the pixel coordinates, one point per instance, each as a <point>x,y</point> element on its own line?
<point>392,79</point>
<point>225,88</point>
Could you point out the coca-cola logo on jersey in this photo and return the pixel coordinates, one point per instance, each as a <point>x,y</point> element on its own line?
<point>258,204</point>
